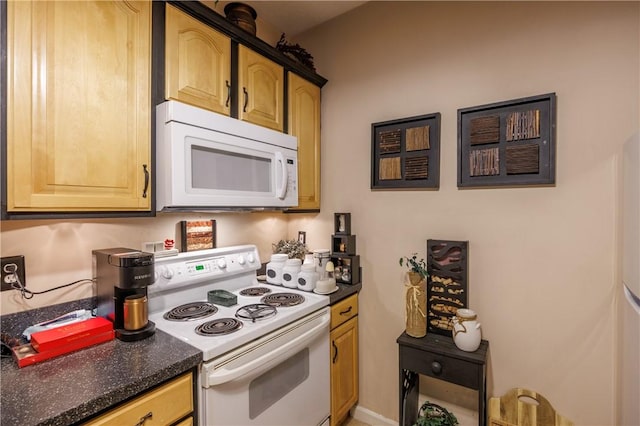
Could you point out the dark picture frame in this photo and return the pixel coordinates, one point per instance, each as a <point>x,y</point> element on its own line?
<point>510,143</point>
<point>405,153</point>
<point>197,235</point>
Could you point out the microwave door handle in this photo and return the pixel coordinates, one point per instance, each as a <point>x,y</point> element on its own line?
<point>281,190</point>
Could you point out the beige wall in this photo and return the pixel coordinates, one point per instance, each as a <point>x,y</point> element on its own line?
<point>58,252</point>
<point>542,260</point>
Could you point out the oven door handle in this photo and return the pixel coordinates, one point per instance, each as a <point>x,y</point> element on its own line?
<point>264,362</point>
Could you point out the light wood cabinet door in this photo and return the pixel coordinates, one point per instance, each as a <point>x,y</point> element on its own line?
<point>162,406</point>
<point>78,106</point>
<point>197,63</point>
<point>260,90</point>
<point>304,123</point>
<point>344,369</point>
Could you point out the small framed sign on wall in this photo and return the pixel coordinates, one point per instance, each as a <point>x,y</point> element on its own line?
<point>508,143</point>
<point>405,153</point>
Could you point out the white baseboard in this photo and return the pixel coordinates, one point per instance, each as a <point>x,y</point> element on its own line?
<point>370,417</point>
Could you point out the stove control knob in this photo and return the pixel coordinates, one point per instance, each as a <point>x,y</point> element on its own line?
<point>222,263</point>
<point>166,273</point>
<point>241,260</point>
<point>251,258</point>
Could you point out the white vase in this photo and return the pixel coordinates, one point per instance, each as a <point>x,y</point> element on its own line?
<point>466,330</point>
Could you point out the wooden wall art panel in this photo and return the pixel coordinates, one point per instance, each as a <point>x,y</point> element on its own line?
<point>508,143</point>
<point>405,153</point>
<point>448,285</point>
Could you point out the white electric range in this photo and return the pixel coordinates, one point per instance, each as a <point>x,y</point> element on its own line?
<point>266,357</point>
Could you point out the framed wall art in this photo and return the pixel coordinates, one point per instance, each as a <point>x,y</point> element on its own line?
<point>197,235</point>
<point>405,153</point>
<point>448,283</point>
<point>508,143</point>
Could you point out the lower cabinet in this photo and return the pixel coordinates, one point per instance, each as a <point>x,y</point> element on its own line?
<point>164,405</point>
<point>344,358</point>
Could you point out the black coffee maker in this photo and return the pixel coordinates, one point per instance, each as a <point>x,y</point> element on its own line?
<point>122,276</point>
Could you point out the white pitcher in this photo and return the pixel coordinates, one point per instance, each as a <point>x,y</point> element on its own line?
<point>466,330</point>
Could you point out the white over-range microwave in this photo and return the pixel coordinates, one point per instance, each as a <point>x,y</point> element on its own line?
<point>208,161</point>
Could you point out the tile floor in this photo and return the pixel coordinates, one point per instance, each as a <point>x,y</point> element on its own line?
<point>350,421</point>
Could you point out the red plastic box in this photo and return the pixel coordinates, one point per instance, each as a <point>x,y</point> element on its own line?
<point>43,341</point>
<point>26,355</point>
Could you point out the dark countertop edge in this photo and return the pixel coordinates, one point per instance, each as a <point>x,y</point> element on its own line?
<point>344,291</point>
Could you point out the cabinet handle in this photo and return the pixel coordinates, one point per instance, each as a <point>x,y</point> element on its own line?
<point>146,181</point>
<point>436,368</point>
<point>346,312</point>
<point>144,418</point>
<point>228,93</point>
<point>246,99</point>
<point>335,351</point>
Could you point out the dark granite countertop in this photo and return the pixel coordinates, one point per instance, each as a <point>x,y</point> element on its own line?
<point>344,291</point>
<point>75,386</point>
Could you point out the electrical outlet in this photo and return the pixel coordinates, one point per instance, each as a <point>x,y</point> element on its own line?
<point>6,271</point>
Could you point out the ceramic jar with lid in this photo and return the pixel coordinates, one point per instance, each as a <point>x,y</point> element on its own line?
<point>307,277</point>
<point>321,257</point>
<point>290,272</point>
<point>466,330</point>
<point>274,268</point>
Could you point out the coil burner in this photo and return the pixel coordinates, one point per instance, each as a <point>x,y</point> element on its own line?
<point>283,299</point>
<point>190,311</point>
<point>256,312</point>
<point>255,291</point>
<point>219,327</point>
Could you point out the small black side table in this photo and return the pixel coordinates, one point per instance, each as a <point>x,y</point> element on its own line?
<point>437,356</point>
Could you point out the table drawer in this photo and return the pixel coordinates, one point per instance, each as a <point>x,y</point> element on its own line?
<point>167,404</point>
<point>431,364</point>
<point>344,310</point>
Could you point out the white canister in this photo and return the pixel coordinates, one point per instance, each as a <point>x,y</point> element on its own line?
<point>290,273</point>
<point>466,330</point>
<point>274,268</point>
<point>307,277</point>
<point>321,257</point>
<point>308,259</point>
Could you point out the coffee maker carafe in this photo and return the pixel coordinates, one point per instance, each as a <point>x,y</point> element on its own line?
<point>122,276</point>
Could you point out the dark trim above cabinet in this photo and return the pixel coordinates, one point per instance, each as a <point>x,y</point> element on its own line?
<point>208,16</point>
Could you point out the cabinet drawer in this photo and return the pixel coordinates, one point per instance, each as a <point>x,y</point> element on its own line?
<point>166,404</point>
<point>431,364</point>
<point>344,310</point>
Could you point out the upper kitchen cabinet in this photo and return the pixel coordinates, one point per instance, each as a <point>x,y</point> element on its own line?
<point>260,89</point>
<point>197,63</point>
<point>78,106</point>
<point>304,123</point>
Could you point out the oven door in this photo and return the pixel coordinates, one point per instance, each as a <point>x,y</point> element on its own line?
<point>280,379</point>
